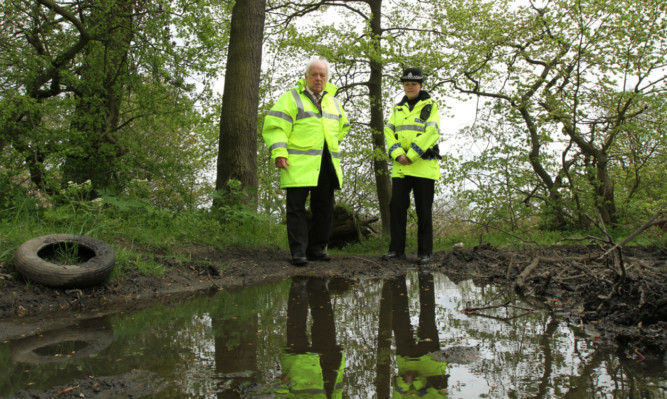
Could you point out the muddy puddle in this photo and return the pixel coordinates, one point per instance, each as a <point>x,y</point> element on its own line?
<point>312,337</point>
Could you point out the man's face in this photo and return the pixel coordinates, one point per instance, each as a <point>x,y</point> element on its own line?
<point>316,77</point>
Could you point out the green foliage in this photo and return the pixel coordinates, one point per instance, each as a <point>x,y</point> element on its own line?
<point>136,228</point>
<point>134,103</point>
<point>66,254</point>
<point>582,85</point>
<point>371,245</point>
<point>129,260</point>
<point>241,223</point>
<point>585,103</point>
<point>496,184</point>
<point>17,204</point>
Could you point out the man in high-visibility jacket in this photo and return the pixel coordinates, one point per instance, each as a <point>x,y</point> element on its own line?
<point>317,370</point>
<point>303,131</point>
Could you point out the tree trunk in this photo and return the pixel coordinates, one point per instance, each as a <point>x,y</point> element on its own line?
<point>555,203</point>
<point>237,155</point>
<point>236,344</point>
<point>382,180</point>
<point>598,175</point>
<point>604,191</point>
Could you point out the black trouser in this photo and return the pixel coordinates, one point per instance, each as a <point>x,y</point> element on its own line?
<point>423,190</point>
<point>303,240</point>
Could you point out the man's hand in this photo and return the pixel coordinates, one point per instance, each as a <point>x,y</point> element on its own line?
<point>403,160</point>
<point>282,163</point>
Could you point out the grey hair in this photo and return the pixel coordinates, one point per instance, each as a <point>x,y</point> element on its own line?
<point>317,59</point>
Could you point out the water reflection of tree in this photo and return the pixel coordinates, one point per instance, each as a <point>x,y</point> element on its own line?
<point>235,351</point>
<point>545,344</point>
<point>419,374</point>
<point>627,376</point>
<point>541,353</point>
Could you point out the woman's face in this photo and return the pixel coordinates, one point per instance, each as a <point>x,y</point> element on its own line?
<point>412,89</point>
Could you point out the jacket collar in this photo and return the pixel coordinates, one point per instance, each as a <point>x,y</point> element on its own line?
<point>423,95</point>
<point>330,88</point>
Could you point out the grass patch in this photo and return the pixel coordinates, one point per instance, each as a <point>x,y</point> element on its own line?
<point>139,231</point>
<point>370,245</point>
<point>127,260</point>
<point>136,230</point>
<point>66,253</point>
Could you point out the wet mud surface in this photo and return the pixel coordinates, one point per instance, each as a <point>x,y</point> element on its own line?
<point>620,298</point>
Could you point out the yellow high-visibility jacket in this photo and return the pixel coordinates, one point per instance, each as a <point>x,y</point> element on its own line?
<point>296,129</point>
<point>420,368</point>
<point>304,379</point>
<point>407,134</point>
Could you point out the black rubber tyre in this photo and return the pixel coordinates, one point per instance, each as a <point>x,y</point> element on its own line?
<point>98,260</point>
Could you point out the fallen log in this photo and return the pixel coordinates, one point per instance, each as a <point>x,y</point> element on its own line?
<point>521,279</point>
<point>349,227</point>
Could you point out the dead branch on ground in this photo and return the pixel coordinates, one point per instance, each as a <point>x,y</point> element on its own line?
<point>521,279</point>
<point>657,219</point>
<point>574,262</point>
<point>616,251</point>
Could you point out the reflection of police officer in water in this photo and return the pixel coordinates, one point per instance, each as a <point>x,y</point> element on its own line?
<point>419,374</point>
<point>311,371</point>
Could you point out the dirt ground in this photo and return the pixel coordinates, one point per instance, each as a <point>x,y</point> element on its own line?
<point>625,305</point>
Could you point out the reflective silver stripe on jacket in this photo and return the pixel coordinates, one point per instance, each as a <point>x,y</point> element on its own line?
<point>281,115</point>
<point>340,112</point>
<point>435,125</point>
<point>334,154</point>
<point>304,152</point>
<point>416,128</point>
<point>278,145</point>
<point>391,126</point>
<point>302,113</point>
<point>330,116</point>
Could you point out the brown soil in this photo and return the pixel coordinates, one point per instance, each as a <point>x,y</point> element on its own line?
<point>626,306</point>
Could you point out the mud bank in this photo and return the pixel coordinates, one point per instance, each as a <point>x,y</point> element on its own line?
<point>619,301</point>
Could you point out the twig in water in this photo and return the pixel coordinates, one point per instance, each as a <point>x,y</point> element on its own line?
<point>474,309</point>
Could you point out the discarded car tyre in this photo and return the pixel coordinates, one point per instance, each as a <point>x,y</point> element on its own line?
<point>95,261</point>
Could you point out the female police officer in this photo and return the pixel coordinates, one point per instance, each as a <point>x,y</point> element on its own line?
<point>412,134</point>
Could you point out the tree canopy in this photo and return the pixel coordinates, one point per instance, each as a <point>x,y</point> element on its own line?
<point>109,91</point>
<point>569,99</point>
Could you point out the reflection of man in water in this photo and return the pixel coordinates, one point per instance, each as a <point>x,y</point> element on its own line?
<point>311,371</point>
<point>419,374</point>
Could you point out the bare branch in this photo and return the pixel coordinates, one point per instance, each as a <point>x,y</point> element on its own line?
<point>655,220</point>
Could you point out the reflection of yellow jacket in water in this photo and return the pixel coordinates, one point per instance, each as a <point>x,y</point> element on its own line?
<point>413,373</point>
<point>304,376</point>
